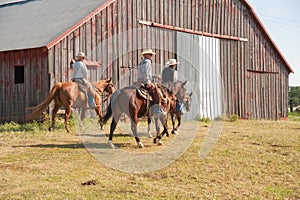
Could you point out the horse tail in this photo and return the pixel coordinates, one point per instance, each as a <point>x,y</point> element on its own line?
<point>38,109</point>
<point>112,103</point>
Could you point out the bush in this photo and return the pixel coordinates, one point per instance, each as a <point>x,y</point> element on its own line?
<point>33,126</point>
<point>203,119</point>
<point>234,118</point>
<point>294,116</point>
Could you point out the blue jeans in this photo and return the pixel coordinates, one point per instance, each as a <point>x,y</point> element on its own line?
<point>91,100</point>
<point>179,107</point>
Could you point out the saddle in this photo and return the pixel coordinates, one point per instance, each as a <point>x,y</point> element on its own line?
<point>143,92</point>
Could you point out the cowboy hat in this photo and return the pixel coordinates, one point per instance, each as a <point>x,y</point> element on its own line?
<point>172,62</point>
<point>80,55</point>
<point>148,51</point>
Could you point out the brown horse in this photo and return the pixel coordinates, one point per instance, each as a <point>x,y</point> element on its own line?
<point>128,101</point>
<point>177,89</point>
<point>183,97</point>
<point>70,96</point>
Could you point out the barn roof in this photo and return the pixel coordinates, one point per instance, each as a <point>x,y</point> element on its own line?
<point>36,23</point>
<point>26,24</point>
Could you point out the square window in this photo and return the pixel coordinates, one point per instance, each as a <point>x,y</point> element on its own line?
<point>19,74</point>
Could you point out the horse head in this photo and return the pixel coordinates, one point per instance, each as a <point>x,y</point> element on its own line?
<point>187,101</point>
<point>110,87</point>
<point>182,95</point>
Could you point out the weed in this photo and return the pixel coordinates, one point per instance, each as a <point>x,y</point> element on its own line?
<point>234,118</point>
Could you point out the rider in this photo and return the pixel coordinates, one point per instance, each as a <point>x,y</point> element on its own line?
<point>145,77</point>
<point>170,75</point>
<point>80,75</point>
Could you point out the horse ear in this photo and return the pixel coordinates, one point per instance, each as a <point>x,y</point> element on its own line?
<point>183,84</point>
<point>109,80</point>
<point>191,94</point>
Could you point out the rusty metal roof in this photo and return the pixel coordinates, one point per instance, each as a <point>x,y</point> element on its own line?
<point>36,23</point>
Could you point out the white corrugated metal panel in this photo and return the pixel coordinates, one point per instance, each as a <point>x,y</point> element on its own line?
<point>199,58</point>
<point>33,24</point>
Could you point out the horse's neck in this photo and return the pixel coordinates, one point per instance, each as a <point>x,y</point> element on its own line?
<point>101,86</point>
<point>180,95</point>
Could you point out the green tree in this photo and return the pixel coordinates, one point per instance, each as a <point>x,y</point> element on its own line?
<point>294,97</point>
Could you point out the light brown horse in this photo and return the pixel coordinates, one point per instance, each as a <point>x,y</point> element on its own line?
<point>128,101</point>
<point>69,95</point>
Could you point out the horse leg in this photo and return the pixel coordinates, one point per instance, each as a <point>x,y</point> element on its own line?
<point>67,115</point>
<point>134,122</point>
<point>178,115</point>
<point>156,140</point>
<point>98,110</point>
<point>54,111</point>
<point>113,126</point>
<point>157,126</point>
<point>164,122</point>
<point>149,123</point>
<point>82,116</point>
<point>174,131</point>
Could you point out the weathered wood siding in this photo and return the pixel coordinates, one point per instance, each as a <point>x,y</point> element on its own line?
<point>254,75</point>
<point>14,98</point>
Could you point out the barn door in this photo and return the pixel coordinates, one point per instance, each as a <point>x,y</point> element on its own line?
<point>199,59</point>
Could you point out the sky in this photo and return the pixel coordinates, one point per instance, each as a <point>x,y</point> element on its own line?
<point>281,18</point>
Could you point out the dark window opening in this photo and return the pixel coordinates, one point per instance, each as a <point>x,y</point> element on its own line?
<point>19,74</point>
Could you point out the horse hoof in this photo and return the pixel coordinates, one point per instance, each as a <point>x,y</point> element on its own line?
<point>50,128</point>
<point>159,143</point>
<point>110,144</point>
<point>150,135</point>
<point>140,145</point>
<point>154,140</point>
<point>174,132</point>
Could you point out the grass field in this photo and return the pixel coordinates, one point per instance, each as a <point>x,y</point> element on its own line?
<point>251,160</point>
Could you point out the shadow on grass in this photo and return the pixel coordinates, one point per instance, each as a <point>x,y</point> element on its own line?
<point>106,135</point>
<point>67,146</point>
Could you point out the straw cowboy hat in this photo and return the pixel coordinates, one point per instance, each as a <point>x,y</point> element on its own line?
<point>80,55</point>
<point>148,51</point>
<point>172,62</point>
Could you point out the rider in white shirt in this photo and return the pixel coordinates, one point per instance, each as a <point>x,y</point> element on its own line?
<point>80,74</point>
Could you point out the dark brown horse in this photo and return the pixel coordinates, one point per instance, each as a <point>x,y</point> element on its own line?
<point>128,101</point>
<point>183,97</point>
<point>177,89</point>
<point>70,96</point>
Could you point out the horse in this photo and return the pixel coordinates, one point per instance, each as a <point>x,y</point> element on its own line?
<point>69,95</point>
<point>183,97</point>
<point>129,101</point>
<point>177,89</point>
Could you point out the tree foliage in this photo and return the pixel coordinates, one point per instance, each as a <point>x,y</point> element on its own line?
<point>294,97</point>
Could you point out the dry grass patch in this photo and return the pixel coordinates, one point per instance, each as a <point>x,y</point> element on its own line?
<point>252,160</point>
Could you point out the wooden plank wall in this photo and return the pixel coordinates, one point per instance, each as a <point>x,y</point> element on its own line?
<point>255,78</point>
<point>14,98</point>
<point>111,37</point>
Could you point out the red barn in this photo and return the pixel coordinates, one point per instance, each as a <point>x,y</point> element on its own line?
<point>230,60</point>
